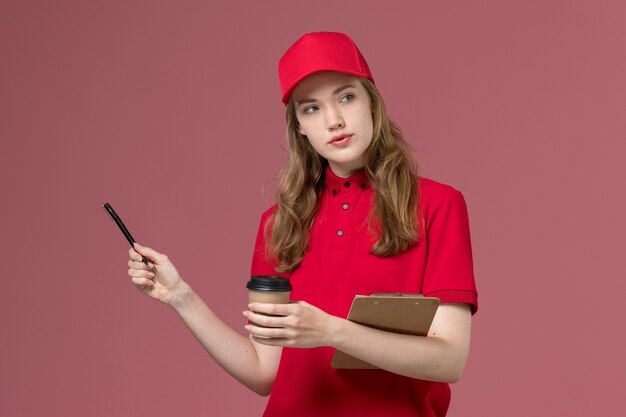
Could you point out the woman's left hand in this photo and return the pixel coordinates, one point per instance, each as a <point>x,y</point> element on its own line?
<point>299,324</point>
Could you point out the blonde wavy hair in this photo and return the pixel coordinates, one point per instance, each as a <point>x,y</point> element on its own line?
<point>389,168</point>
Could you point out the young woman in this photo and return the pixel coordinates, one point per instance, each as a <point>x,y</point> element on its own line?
<point>352,217</point>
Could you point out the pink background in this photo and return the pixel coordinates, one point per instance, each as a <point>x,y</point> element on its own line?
<point>170,111</point>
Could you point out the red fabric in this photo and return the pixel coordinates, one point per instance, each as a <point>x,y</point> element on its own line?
<point>336,268</point>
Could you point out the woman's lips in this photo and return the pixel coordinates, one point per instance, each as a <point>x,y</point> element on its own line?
<point>340,140</point>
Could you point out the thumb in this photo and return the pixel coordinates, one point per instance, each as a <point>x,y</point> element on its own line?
<point>149,253</point>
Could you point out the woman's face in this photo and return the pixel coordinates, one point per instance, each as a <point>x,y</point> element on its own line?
<point>334,112</point>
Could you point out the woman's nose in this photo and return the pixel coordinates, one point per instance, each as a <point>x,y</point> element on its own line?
<point>333,119</point>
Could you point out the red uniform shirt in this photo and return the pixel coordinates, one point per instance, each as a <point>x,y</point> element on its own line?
<point>337,267</point>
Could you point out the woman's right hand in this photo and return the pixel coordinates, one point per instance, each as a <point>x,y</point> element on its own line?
<point>159,279</point>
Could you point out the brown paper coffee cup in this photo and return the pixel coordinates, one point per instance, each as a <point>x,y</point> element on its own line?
<point>268,289</point>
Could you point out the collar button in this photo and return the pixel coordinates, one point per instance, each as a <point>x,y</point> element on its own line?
<point>346,184</point>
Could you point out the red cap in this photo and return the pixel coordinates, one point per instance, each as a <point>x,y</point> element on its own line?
<point>320,51</point>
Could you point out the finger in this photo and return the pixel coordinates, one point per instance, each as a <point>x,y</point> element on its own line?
<point>158,258</point>
<point>270,341</point>
<point>268,321</point>
<point>275,309</point>
<point>134,254</point>
<point>141,273</point>
<point>139,265</point>
<point>142,281</point>
<point>265,332</point>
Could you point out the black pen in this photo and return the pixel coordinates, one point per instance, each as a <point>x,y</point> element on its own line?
<point>123,228</point>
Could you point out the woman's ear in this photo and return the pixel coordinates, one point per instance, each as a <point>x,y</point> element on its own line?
<point>300,130</point>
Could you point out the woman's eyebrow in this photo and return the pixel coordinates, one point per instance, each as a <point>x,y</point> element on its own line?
<point>337,91</point>
<point>340,89</point>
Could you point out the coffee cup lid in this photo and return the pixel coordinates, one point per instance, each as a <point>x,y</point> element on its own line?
<point>268,283</point>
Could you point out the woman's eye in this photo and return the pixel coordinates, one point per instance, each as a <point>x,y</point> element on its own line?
<point>347,98</point>
<point>309,109</point>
